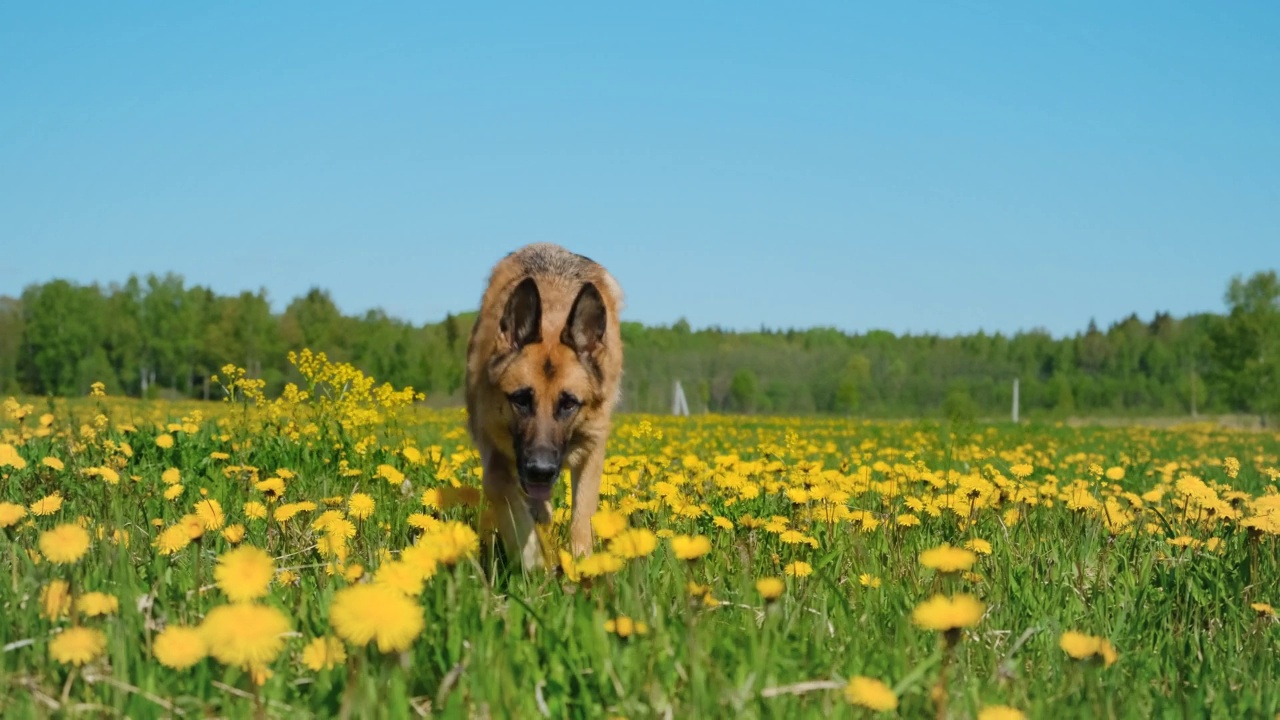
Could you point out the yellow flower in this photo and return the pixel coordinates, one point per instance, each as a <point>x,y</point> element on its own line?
<point>945,558</point>
<point>868,580</point>
<point>9,457</point>
<point>323,653</point>
<point>233,533</point>
<point>164,441</point>
<point>244,573</point>
<point>1232,467</point>
<point>11,514</point>
<point>171,476</point>
<point>1263,609</point>
<point>272,487</point>
<point>362,613</point>
<point>210,513</point>
<point>179,647</point>
<point>633,543</point>
<point>77,645</point>
<point>978,545</point>
<point>690,547</point>
<point>47,505</point>
<point>360,506</point>
<point>1082,647</point>
<point>93,604</point>
<point>608,523</point>
<point>53,462</point>
<point>770,588</point>
<point>55,599</point>
<point>401,576</point>
<point>798,568</point>
<point>601,563</point>
<point>244,634</point>
<point>1000,712</point>
<point>172,539</point>
<point>944,613</point>
<point>1021,470</point>
<point>625,627</point>
<point>254,510</point>
<point>65,544</point>
<point>1115,473</point>
<point>173,491</point>
<point>870,693</point>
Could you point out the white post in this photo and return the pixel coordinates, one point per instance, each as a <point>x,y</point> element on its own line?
<point>1015,401</point>
<point>679,406</point>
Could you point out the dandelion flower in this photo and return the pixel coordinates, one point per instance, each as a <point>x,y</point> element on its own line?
<point>77,645</point>
<point>360,506</point>
<point>171,476</point>
<point>10,514</point>
<point>608,523</point>
<point>164,441</point>
<point>1263,609</point>
<point>1083,647</point>
<point>244,573</point>
<point>210,513</point>
<point>362,613</point>
<point>179,647</point>
<point>601,563</point>
<point>244,634</point>
<point>798,568</point>
<point>53,462</point>
<point>633,543</point>
<point>172,539</point>
<point>323,653</point>
<point>947,559</point>
<point>65,544</point>
<point>948,613</point>
<point>95,603</point>
<point>255,510</point>
<point>55,599</point>
<point>870,693</point>
<point>868,580</point>
<point>690,547</point>
<point>47,505</point>
<point>625,627</point>
<point>173,491</point>
<point>770,588</point>
<point>233,533</point>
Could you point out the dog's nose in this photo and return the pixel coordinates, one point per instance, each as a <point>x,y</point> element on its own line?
<point>541,467</point>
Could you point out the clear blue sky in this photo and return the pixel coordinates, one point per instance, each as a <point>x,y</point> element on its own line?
<point>915,167</point>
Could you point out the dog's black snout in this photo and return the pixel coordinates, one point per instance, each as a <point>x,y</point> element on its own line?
<point>542,466</point>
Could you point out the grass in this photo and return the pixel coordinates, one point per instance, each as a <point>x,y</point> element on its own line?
<point>1165,569</point>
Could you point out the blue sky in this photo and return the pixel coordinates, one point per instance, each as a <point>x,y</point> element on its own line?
<point>915,167</point>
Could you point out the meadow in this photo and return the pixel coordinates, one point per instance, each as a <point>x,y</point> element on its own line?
<point>328,552</point>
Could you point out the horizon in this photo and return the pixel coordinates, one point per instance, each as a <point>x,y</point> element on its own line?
<point>919,169</point>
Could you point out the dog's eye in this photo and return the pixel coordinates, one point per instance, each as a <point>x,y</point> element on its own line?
<point>521,400</point>
<point>568,405</point>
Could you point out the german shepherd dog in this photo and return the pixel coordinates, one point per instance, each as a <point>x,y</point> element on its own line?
<point>544,365</point>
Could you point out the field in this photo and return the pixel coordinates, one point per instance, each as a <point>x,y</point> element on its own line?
<point>328,552</point>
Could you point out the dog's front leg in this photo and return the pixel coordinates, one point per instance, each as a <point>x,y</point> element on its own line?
<point>586,499</point>
<point>515,522</point>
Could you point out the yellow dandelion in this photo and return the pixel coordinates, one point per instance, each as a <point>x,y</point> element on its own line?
<point>10,514</point>
<point>945,558</point>
<point>633,543</point>
<point>233,533</point>
<point>244,634</point>
<point>244,573</point>
<point>55,599</point>
<point>171,476</point>
<point>47,505</point>
<point>77,645</point>
<point>1001,712</point>
<point>323,653</point>
<point>93,604</point>
<point>363,613</point>
<point>690,547</point>
<point>770,588</point>
<point>608,523</point>
<point>164,441</point>
<point>172,539</point>
<point>210,513</point>
<point>179,647</point>
<point>173,491</point>
<point>53,462</point>
<point>64,544</point>
<point>870,693</point>
<point>625,627</point>
<point>360,506</point>
<point>798,569</point>
<point>948,613</point>
<point>868,580</point>
<point>255,510</point>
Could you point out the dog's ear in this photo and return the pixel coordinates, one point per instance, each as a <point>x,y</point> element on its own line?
<point>521,322</point>
<point>584,332</point>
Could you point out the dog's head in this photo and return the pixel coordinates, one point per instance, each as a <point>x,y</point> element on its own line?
<point>551,384</point>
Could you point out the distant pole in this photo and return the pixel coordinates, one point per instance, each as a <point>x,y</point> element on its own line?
<point>1015,401</point>
<point>679,406</point>
<point>1192,380</point>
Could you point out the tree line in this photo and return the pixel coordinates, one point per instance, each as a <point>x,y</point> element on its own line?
<point>155,336</point>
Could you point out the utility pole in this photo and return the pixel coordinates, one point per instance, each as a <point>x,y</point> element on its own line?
<point>1015,401</point>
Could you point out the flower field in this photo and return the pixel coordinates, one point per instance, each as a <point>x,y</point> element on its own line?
<point>328,552</point>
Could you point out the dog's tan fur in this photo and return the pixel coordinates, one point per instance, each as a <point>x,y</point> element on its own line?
<point>559,342</point>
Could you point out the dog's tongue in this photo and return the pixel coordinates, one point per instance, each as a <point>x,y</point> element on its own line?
<point>541,492</point>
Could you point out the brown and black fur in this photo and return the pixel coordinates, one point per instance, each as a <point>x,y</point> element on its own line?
<point>544,365</point>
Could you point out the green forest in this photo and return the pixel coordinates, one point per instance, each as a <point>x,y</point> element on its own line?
<point>155,336</point>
